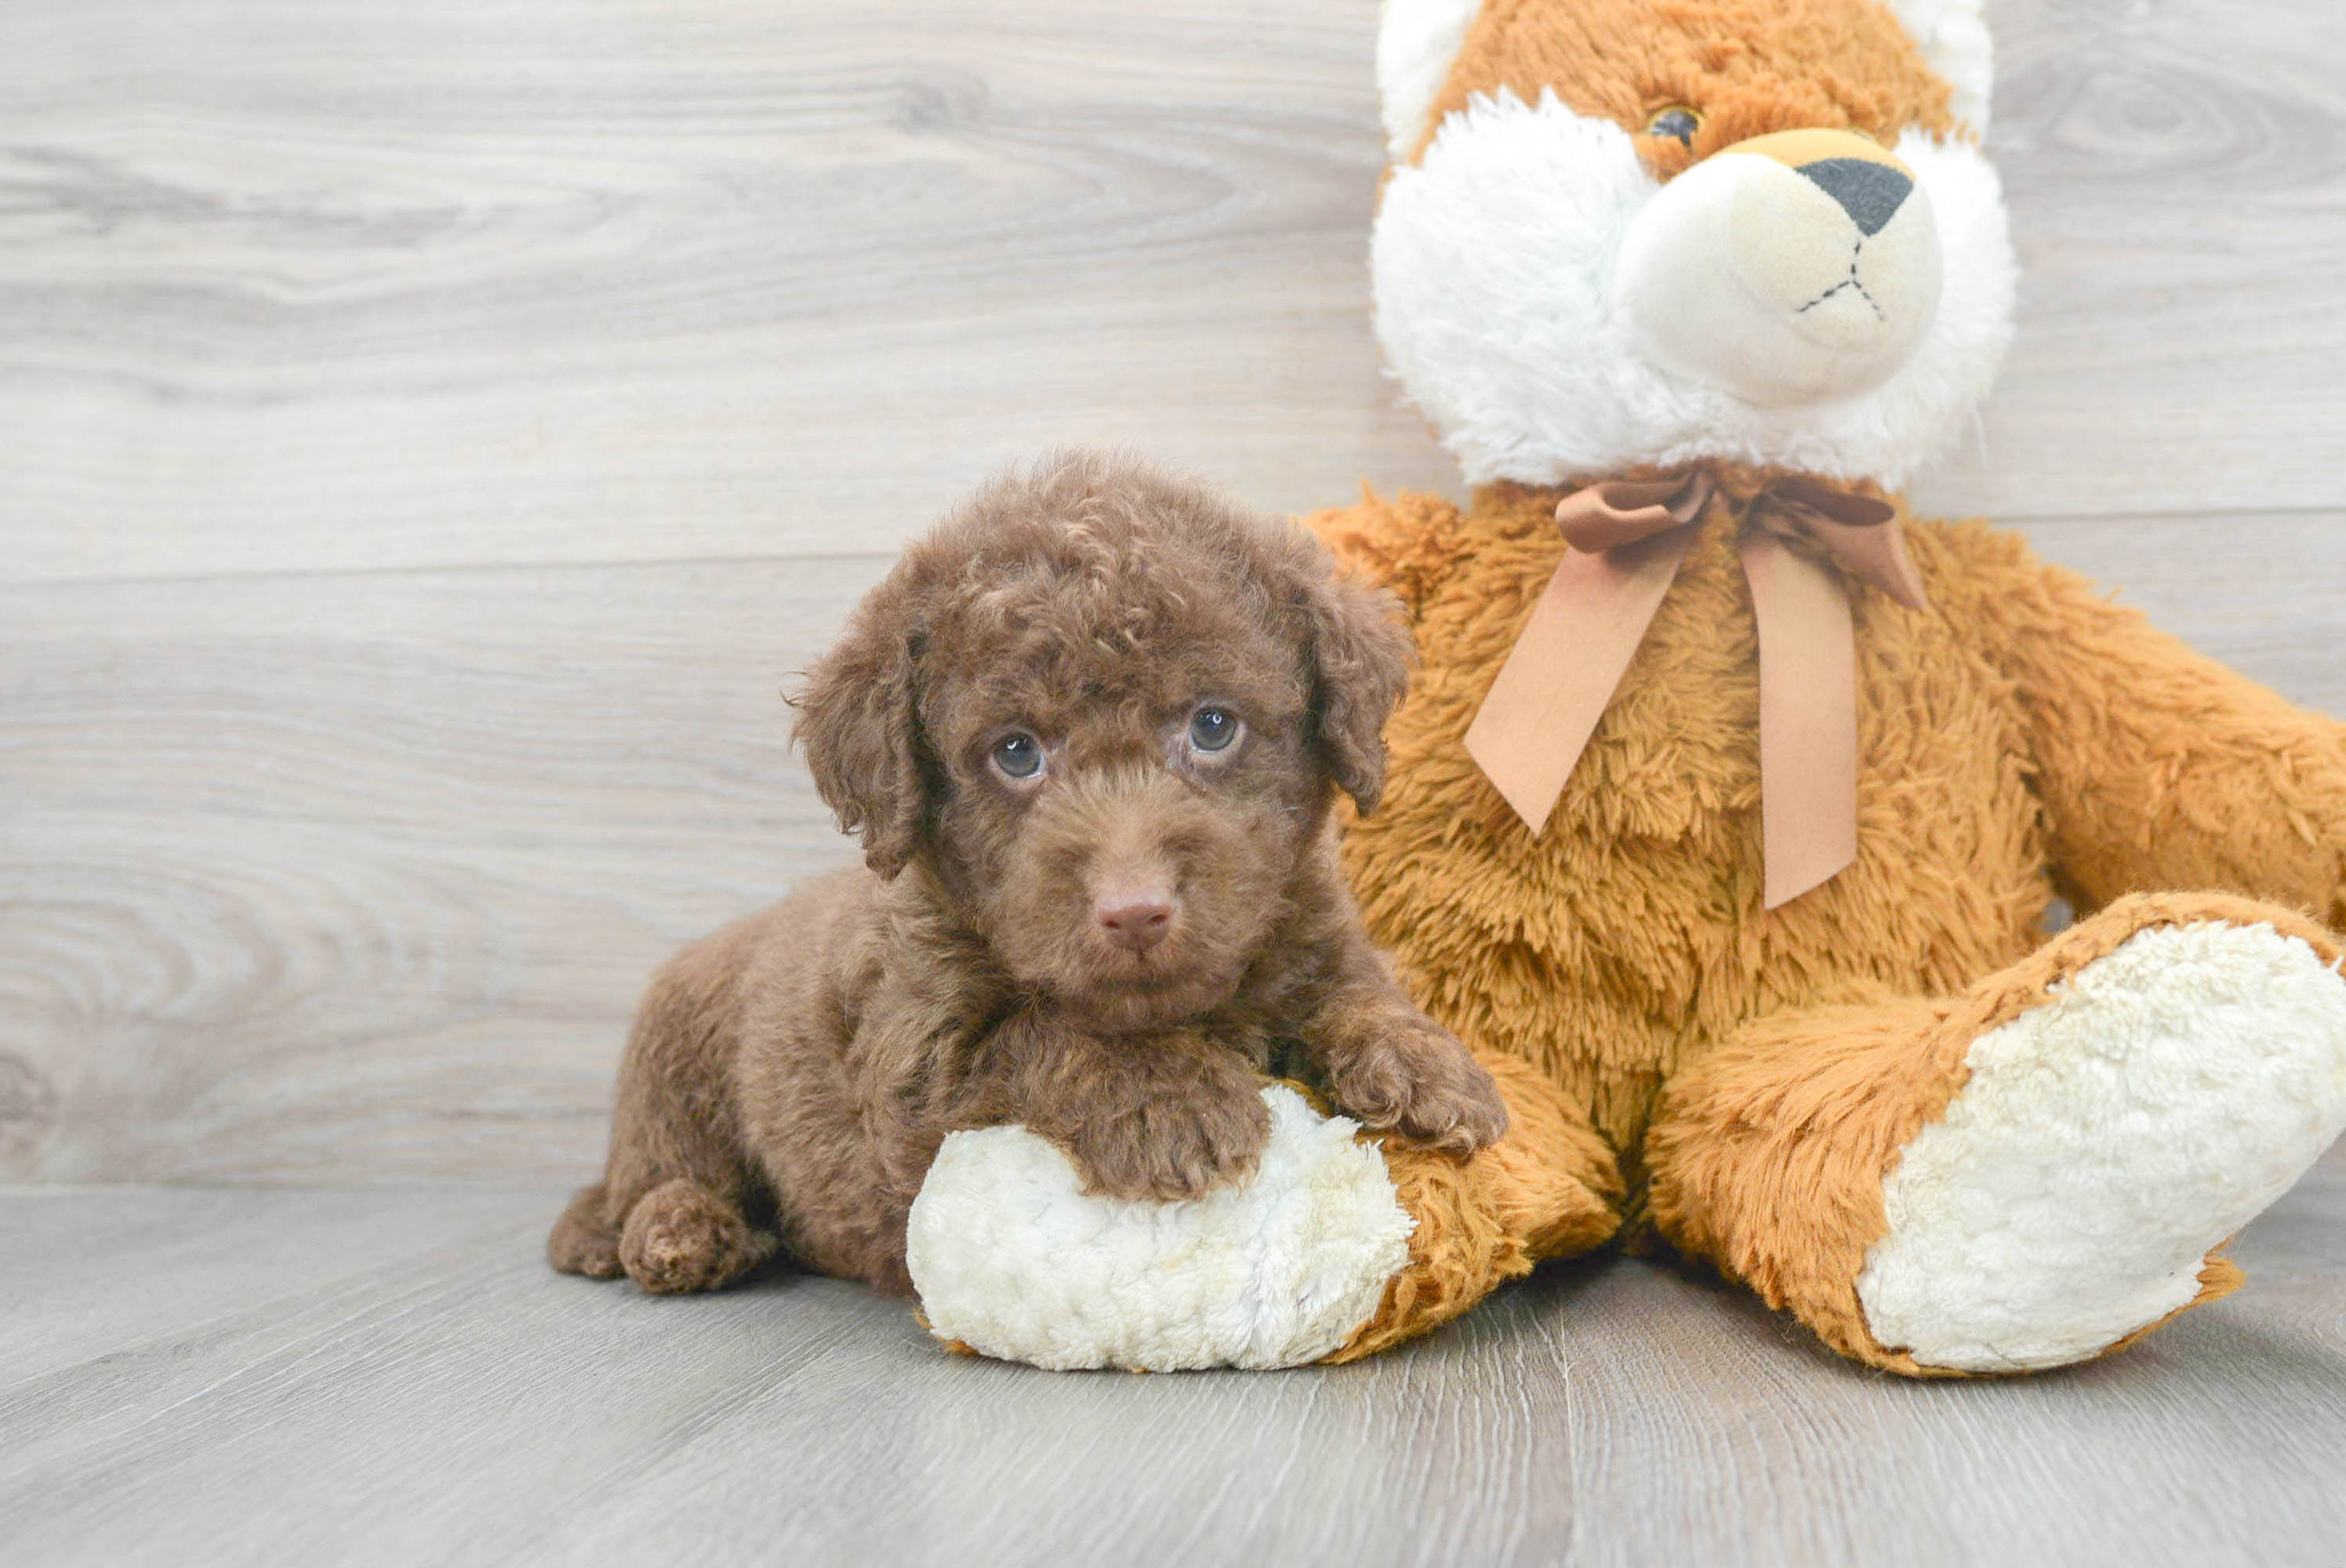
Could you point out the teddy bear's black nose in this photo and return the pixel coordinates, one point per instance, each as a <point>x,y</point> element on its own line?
<point>1870,192</point>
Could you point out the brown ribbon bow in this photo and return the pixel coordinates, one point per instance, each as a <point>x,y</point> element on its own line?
<point>1627,537</point>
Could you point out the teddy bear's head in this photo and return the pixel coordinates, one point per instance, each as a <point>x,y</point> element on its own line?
<point>1620,232</point>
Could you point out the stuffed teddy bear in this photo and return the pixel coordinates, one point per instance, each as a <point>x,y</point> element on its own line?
<point>1727,806</point>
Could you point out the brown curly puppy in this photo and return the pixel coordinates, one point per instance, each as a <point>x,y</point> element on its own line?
<point>1089,731</point>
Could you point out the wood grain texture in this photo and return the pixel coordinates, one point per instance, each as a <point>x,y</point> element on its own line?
<point>361,875</point>
<point>393,1376</point>
<point>286,284</point>
<point>2176,178</point>
<point>309,284</point>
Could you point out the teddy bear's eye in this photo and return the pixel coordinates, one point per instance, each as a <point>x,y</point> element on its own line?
<point>1018,755</point>
<point>1678,123</point>
<point>1213,729</point>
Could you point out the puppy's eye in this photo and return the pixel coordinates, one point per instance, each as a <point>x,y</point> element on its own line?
<point>1018,755</point>
<point>1677,122</point>
<point>1213,729</point>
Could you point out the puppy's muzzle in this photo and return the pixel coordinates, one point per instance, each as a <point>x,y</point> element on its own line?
<point>1787,268</point>
<point>1124,839</point>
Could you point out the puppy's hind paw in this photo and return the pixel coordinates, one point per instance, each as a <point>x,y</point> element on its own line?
<point>583,1242</point>
<point>681,1237</point>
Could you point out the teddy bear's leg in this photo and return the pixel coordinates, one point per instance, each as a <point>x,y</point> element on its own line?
<point>1549,1188</point>
<point>2034,1174</point>
<point>1339,1245</point>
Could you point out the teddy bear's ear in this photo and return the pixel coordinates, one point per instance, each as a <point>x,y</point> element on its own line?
<point>1953,37</point>
<point>1417,43</point>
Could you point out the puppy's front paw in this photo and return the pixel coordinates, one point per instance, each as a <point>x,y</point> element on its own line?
<point>1406,1074</point>
<point>1171,1148</point>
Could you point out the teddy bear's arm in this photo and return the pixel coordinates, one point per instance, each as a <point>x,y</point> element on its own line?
<point>1405,543</point>
<point>2159,768</point>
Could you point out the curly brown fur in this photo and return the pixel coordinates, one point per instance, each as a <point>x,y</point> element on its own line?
<point>1109,948</point>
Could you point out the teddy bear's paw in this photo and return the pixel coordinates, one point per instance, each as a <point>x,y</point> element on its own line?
<point>1014,1259</point>
<point>2106,1142</point>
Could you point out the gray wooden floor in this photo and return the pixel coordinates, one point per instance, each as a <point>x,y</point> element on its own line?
<point>435,431</point>
<point>391,1375</point>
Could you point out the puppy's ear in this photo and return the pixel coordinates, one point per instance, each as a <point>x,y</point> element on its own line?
<point>1360,652</point>
<point>859,718</point>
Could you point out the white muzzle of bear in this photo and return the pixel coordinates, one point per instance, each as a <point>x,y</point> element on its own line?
<point>1788,268</point>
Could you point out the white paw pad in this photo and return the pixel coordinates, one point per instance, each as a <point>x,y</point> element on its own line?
<point>2155,1101</point>
<point>1013,1259</point>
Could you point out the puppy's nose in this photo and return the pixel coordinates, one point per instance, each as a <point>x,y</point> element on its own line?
<point>1870,192</point>
<point>1137,918</point>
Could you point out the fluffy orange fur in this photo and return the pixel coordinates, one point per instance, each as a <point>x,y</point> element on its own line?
<point>1548,1188</point>
<point>1734,1080</point>
<point>1756,1073</point>
<point>1749,67</point>
<point>1778,1174</point>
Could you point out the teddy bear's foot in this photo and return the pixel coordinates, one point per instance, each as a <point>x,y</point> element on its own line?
<point>1333,1248</point>
<point>1014,1259</point>
<point>1548,1188</point>
<point>2105,1142</point>
<point>2030,1175</point>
